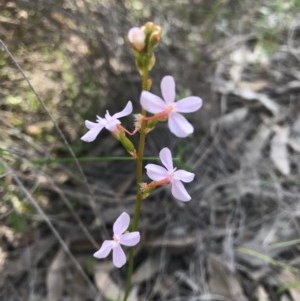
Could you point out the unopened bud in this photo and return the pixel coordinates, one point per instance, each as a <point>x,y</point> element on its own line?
<point>149,27</point>
<point>155,36</point>
<point>137,38</point>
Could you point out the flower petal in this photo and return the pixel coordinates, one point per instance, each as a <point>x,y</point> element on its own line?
<point>137,37</point>
<point>121,224</point>
<point>119,258</point>
<point>166,159</point>
<point>184,176</point>
<point>90,124</point>
<point>111,124</point>
<point>130,239</point>
<point>126,111</point>
<point>179,126</point>
<point>152,103</point>
<point>92,133</point>
<point>156,172</point>
<point>168,89</point>
<point>189,104</point>
<point>179,191</point>
<point>105,249</point>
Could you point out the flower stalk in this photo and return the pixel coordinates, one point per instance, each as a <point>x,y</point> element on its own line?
<point>139,178</point>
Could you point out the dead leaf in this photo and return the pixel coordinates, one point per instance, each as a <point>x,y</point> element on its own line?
<point>255,146</point>
<point>146,270</point>
<point>176,243</point>
<point>294,140</point>
<point>255,85</point>
<point>265,100</point>
<point>261,294</point>
<point>223,281</point>
<point>56,278</point>
<point>291,281</point>
<point>105,284</point>
<point>108,287</point>
<point>279,151</point>
<point>231,118</point>
<point>226,87</point>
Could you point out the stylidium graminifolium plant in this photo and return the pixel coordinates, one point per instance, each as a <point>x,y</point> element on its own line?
<point>143,41</point>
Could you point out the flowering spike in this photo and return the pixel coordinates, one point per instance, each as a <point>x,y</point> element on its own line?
<point>119,238</point>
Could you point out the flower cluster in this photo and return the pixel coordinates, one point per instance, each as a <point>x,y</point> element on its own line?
<point>166,109</point>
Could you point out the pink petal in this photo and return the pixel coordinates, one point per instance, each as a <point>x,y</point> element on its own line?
<point>156,172</point>
<point>168,89</point>
<point>105,249</point>
<point>136,35</point>
<point>152,103</point>
<point>179,126</point>
<point>188,104</point>
<point>184,176</point>
<point>119,258</point>
<point>111,124</point>
<point>121,224</point>
<point>92,133</point>
<point>126,111</point>
<point>90,124</point>
<point>165,156</point>
<point>130,239</point>
<point>179,192</point>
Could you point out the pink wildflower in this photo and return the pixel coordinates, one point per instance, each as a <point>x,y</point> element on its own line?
<point>137,38</point>
<point>119,238</point>
<point>169,174</point>
<point>111,123</point>
<point>169,109</point>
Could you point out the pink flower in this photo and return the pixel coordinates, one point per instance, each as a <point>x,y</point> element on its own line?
<point>168,108</point>
<point>169,174</point>
<point>119,238</point>
<point>111,123</point>
<point>137,38</point>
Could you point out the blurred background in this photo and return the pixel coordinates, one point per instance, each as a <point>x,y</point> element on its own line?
<point>62,62</point>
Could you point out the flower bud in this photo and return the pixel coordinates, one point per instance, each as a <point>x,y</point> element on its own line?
<point>153,33</point>
<point>155,37</point>
<point>137,38</point>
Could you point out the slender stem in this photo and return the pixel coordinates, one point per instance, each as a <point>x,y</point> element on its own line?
<point>139,177</point>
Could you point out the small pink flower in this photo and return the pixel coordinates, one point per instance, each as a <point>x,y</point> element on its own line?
<point>119,238</point>
<point>169,174</point>
<point>137,38</point>
<point>168,108</point>
<point>109,122</point>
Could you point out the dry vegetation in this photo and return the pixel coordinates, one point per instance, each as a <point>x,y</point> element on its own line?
<point>238,239</point>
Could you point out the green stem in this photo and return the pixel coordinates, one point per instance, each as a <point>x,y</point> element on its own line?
<point>139,178</point>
